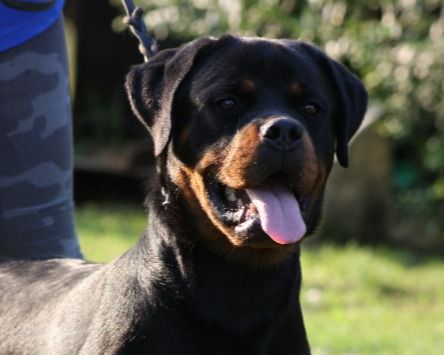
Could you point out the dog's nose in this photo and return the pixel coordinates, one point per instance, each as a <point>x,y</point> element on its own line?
<point>282,133</point>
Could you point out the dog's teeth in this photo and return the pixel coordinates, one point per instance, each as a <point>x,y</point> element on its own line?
<point>238,215</point>
<point>230,193</point>
<point>239,203</point>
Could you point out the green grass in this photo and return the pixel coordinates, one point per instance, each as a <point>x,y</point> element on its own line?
<point>373,301</point>
<point>356,300</point>
<point>106,231</point>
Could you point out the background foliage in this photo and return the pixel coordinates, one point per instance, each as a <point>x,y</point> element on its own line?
<point>396,47</point>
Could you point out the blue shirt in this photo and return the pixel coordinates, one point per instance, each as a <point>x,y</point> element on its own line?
<point>18,26</point>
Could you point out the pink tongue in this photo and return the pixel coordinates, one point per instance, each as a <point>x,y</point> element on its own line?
<point>279,212</point>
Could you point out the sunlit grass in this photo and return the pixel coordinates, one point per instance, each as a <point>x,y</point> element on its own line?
<point>107,231</point>
<point>373,301</point>
<point>356,300</point>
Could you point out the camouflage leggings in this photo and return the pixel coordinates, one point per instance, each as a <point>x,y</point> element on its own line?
<point>36,203</point>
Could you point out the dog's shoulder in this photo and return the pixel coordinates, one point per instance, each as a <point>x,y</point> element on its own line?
<point>44,280</point>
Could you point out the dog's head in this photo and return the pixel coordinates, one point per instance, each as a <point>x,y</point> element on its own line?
<point>248,129</point>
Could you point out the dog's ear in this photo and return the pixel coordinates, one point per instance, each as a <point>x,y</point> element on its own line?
<point>351,99</point>
<point>151,88</point>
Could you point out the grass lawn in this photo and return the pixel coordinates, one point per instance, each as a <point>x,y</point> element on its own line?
<point>356,300</point>
<point>106,231</point>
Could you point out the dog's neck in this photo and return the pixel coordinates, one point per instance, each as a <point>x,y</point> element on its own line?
<point>199,277</point>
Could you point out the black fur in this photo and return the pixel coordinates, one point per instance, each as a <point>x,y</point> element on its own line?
<point>351,100</point>
<point>171,293</point>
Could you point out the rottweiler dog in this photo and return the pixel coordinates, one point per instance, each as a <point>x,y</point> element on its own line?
<point>245,131</point>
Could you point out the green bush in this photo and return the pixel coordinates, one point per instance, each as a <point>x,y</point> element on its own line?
<point>396,47</point>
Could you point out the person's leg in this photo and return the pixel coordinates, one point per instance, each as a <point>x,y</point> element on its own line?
<point>36,202</point>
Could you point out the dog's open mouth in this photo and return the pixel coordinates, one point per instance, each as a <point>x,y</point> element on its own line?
<point>274,206</point>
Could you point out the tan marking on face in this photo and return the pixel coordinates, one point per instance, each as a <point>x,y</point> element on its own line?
<point>209,161</point>
<point>247,85</point>
<point>184,136</point>
<point>314,173</point>
<point>238,163</point>
<point>295,88</point>
<point>310,169</point>
<point>194,191</point>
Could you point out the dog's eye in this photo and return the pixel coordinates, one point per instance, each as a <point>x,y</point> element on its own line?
<point>310,109</point>
<point>227,104</point>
